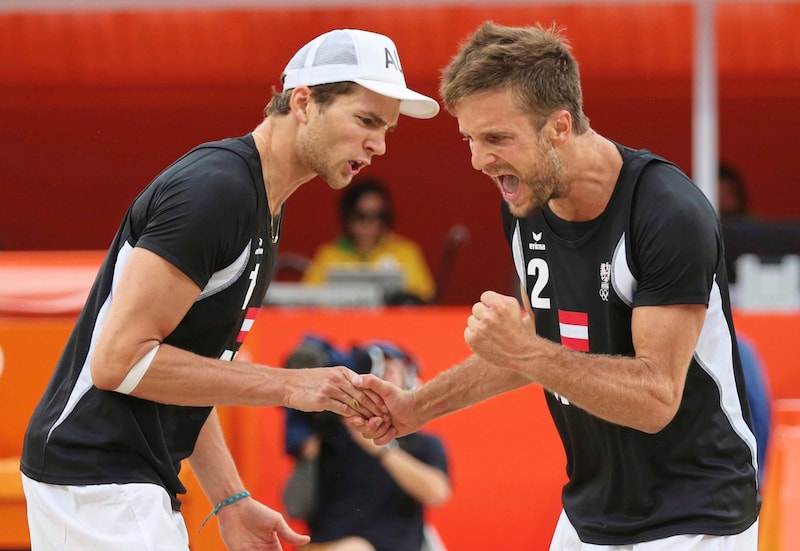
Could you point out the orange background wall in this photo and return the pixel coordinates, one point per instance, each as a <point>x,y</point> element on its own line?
<point>507,464</point>
<point>93,105</point>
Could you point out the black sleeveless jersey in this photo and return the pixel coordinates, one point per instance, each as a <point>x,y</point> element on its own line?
<point>207,214</point>
<point>658,242</point>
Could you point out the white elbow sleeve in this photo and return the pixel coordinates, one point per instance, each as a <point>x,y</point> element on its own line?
<point>131,380</point>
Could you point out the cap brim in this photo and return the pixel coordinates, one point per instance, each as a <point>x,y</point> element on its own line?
<point>412,104</point>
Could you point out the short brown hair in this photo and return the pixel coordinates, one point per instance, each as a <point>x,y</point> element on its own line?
<point>322,94</point>
<point>534,62</point>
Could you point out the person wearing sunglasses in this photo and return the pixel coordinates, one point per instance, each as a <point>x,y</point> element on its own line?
<point>368,241</point>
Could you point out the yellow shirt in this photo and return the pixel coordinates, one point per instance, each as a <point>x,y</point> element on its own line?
<point>393,252</point>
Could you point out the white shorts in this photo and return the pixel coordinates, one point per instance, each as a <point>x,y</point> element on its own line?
<point>122,517</point>
<point>566,539</point>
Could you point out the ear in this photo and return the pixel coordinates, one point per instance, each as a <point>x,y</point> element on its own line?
<point>560,127</point>
<point>300,101</point>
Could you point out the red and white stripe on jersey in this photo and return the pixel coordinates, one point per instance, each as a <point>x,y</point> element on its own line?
<point>247,324</point>
<point>574,329</point>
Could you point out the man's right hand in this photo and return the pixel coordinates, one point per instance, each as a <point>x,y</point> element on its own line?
<point>402,414</point>
<point>331,389</point>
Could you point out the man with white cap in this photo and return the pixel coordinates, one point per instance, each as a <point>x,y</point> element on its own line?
<point>133,394</point>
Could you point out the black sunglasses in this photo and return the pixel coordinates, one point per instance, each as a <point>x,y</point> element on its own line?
<point>362,216</point>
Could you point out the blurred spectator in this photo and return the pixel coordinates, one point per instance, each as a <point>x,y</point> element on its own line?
<point>732,192</point>
<point>769,240</point>
<point>353,494</point>
<point>368,241</point>
<point>758,398</point>
<point>734,210</point>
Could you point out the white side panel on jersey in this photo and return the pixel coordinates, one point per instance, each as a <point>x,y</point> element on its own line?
<point>226,277</point>
<point>219,280</point>
<point>713,352</point>
<point>516,251</point>
<point>84,382</point>
<point>622,279</point>
<point>715,356</point>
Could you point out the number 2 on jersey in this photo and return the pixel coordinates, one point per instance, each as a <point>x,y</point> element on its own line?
<point>540,271</point>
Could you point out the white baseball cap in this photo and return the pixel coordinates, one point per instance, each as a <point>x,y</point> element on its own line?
<point>366,58</point>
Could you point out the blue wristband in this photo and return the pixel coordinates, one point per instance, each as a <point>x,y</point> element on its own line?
<point>224,503</point>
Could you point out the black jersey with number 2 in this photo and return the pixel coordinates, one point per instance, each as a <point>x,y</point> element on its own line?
<point>207,214</point>
<point>658,242</point>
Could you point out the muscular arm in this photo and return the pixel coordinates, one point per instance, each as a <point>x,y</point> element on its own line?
<point>458,387</point>
<point>467,383</point>
<point>150,300</point>
<point>642,392</point>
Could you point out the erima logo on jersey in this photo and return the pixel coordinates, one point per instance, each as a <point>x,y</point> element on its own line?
<point>536,246</point>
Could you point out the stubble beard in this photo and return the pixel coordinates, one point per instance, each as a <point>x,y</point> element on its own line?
<point>313,154</point>
<point>545,182</point>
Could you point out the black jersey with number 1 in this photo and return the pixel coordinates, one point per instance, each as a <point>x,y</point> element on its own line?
<point>658,242</point>
<point>207,214</point>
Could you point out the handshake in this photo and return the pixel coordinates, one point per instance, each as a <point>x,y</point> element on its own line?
<point>370,384</point>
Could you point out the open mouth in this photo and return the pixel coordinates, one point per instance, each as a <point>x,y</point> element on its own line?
<point>356,166</point>
<point>509,184</point>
